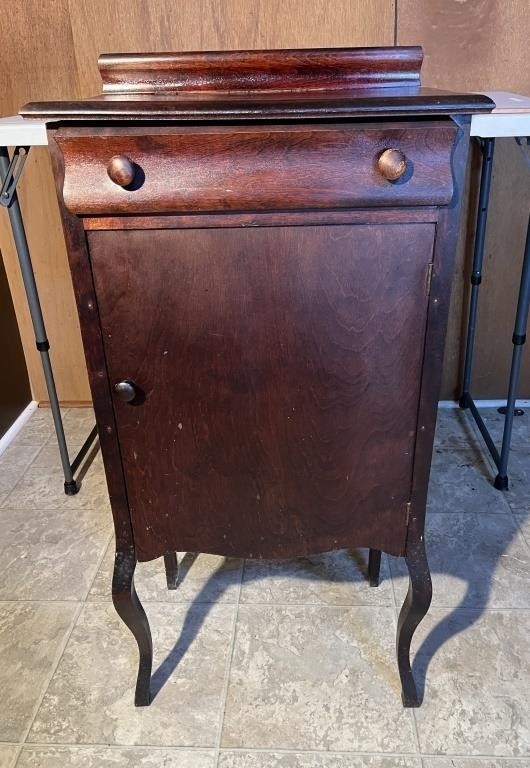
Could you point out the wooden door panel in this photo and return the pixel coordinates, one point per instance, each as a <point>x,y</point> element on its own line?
<point>279,369</point>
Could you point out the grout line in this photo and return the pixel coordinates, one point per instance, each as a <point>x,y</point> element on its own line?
<point>228,669</point>
<point>98,567</point>
<point>46,684</point>
<point>267,751</point>
<point>116,746</point>
<point>519,528</point>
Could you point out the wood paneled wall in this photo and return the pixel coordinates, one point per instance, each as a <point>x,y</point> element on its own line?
<point>49,49</point>
<point>481,45</point>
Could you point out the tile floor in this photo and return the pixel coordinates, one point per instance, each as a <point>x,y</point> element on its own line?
<point>264,665</point>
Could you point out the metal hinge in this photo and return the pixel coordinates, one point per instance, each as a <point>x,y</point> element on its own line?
<point>407,513</point>
<point>428,278</point>
<point>14,170</point>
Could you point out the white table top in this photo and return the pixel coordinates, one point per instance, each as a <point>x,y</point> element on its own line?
<point>17,132</point>
<point>511,117</point>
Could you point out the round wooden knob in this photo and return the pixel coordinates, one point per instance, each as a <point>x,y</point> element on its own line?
<point>125,390</point>
<point>392,164</point>
<point>121,170</point>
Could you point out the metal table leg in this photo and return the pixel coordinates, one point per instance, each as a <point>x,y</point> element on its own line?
<point>518,340</point>
<point>9,174</point>
<point>488,147</point>
<point>519,335</point>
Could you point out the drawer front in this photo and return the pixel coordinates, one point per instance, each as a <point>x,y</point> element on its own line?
<point>253,169</point>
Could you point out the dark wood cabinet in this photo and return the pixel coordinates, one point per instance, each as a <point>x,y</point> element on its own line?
<point>261,246</point>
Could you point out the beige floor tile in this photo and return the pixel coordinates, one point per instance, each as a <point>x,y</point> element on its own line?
<point>333,578</point>
<point>462,482</point>
<point>45,490</point>
<point>313,760</point>
<point>48,555</point>
<point>523,521</point>
<point>49,458</point>
<point>79,418</point>
<point>476,561</point>
<point>13,463</point>
<point>473,762</point>
<point>7,756</point>
<point>520,430</point>
<point>455,429</point>
<point>90,698</point>
<point>315,678</point>
<point>477,683</point>
<point>518,493</point>
<point>39,427</point>
<point>31,635</point>
<point>113,757</point>
<point>202,579</point>
<point>78,422</point>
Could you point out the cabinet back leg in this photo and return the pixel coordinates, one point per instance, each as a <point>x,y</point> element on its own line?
<point>130,610</point>
<point>414,608</point>
<point>171,565</point>
<point>374,566</point>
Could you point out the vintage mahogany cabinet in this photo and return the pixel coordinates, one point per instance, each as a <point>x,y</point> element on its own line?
<point>261,245</point>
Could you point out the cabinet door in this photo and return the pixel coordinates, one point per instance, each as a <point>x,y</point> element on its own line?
<point>278,372</point>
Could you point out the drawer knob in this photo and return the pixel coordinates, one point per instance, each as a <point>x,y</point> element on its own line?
<point>392,164</point>
<point>125,390</point>
<point>121,170</point>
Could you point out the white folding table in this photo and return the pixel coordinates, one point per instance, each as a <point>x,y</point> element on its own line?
<point>510,118</point>
<point>23,134</point>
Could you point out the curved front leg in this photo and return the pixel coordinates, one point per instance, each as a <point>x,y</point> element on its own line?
<point>414,608</point>
<point>130,610</point>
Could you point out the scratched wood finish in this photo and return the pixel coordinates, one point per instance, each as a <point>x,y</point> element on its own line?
<point>366,82</point>
<point>261,219</point>
<point>336,69</point>
<point>281,372</point>
<point>303,105</point>
<point>277,168</point>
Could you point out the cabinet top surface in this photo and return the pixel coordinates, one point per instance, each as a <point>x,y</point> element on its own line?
<point>260,85</point>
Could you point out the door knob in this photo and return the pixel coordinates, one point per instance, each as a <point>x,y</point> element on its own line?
<point>392,164</point>
<point>125,390</point>
<point>121,170</point>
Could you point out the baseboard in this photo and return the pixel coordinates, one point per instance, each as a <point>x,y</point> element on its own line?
<point>17,425</point>
<point>484,403</point>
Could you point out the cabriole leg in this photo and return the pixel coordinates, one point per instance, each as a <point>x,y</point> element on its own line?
<point>374,565</point>
<point>130,610</point>
<point>412,612</point>
<point>172,570</point>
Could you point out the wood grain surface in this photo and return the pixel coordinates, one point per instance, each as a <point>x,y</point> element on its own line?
<point>36,66</point>
<point>253,168</point>
<point>481,45</point>
<point>332,69</point>
<point>278,372</point>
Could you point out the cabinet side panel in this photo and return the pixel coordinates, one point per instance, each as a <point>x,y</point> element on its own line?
<point>87,307</point>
